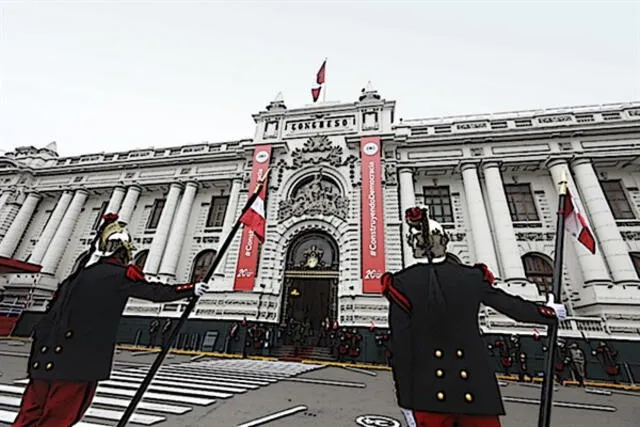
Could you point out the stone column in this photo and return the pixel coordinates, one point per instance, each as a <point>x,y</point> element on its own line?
<point>50,229</point>
<point>593,266</point>
<point>173,248</point>
<point>116,200</point>
<point>162,231</point>
<point>509,252</point>
<point>604,225</point>
<point>407,200</point>
<point>61,238</point>
<point>19,225</point>
<point>229,219</point>
<point>129,203</point>
<point>480,230</point>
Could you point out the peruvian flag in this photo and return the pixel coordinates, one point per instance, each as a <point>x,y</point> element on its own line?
<point>320,76</point>
<point>576,223</point>
<point>254,217</point>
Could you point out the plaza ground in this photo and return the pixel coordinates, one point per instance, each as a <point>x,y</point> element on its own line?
<point>245,390</point>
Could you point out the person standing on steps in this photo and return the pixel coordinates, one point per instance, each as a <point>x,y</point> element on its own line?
<point>440,365</point>
<point>74,343</point>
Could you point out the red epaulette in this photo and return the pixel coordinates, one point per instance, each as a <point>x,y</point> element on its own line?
<point>488,275</point>
<point>135,273</point>
<point>393,294</point>
<point>185,287</point>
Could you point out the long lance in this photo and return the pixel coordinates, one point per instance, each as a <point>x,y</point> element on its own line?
<point>546,397</point>
<point>190,307</point>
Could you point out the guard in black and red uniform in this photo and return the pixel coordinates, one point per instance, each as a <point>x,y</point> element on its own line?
<point>73,344</point>
<point>442,373</point>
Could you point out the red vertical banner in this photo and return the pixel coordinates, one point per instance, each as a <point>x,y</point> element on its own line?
<point>246,269</point>
<point>373,255</point>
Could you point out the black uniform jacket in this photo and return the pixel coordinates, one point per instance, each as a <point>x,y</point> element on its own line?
<point>446,369</point>
<point>75,340</point>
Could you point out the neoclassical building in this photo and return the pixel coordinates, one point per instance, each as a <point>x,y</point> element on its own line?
<point>341,176</point>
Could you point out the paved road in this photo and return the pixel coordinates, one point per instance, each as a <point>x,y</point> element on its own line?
<point>234,392</point>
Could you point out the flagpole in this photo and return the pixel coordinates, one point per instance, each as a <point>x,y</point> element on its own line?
<point>546,395</point>
<point>190,307</point>
<point>324,92</point>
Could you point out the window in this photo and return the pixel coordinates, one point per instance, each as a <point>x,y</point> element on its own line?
<point>520,201</point>
<point>156,211</point>
<point>617,199</point>
<point>539,270</point>
<point>635,258</point>
<point>217,211</point>
<point>141,258</point>
<point>201,264</point>
<point>101,212</point>
<point>438,200</point>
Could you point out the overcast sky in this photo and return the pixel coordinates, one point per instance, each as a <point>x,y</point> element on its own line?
<point>108,76</point>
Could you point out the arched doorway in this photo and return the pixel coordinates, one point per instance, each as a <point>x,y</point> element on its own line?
<point>201,264</point>
<point>311,279</point>
<point>538,269</point>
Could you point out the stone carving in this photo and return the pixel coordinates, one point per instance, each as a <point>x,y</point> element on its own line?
<point>630,235</point>
<point>318,149</point>
<point>634,112</point>
<point>561,118</point>
<point>313,258</point>
<point>457,237</point>
<point>315,198</point>
<point>535,237</point>
<point>390,175</point>
<point>477,151</point>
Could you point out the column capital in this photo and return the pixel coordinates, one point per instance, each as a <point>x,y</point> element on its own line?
<point>406,169</point>
<point>580,161</point>
<point>177,185</point>
<point>81,191</point>
<point>193,184</point>
<point>549,163</point>
<point>134,187</point>
<point>491,164</point>
<point>468,165</point>
<point>34,194</point>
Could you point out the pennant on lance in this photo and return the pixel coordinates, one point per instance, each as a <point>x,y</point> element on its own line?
<point>254,220</point>
<point>575,221</point>
<point>373,253</point>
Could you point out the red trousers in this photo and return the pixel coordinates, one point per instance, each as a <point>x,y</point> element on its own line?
<point>430,419</point>
<point>54,403</point>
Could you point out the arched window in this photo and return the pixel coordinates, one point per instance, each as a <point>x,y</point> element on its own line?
<point>141,258</point>
<point>82,259</point>
<point>635,258</point>
<point>539,270</point>
<point>452,258</point>
<point>201,264</point>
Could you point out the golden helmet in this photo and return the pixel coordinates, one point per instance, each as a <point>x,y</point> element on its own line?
<point>114,236</point>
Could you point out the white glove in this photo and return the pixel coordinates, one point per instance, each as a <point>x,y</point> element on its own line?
<point>409,418</point>
<point>200,289</point>
<point>560,309</point>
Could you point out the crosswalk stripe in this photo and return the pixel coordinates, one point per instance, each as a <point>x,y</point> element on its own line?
<point>157,380</point>
<point>9,416</point>
<point>199,373</point>
<point>103,414</point>
<point>189,379</point>
<point>113,402</point>
<point>178,390</point>
<point>236,374</point>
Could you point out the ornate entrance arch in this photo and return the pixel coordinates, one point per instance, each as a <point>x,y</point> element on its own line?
<point>311,278</point>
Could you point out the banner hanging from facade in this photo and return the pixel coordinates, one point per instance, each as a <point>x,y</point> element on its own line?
<point>247,267</point>
<point>373,254</point>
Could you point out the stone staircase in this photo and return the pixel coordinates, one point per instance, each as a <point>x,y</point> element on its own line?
<point>287,352</point>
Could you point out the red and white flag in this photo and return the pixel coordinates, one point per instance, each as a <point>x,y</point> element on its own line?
<point>320,77</point>
<point>576,223</point>
<point>254,218</point>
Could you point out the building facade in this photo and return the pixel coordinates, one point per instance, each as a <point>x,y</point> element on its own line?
<point>341,176</point>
